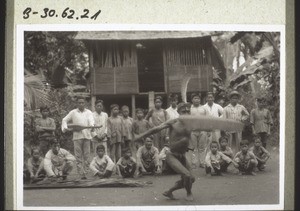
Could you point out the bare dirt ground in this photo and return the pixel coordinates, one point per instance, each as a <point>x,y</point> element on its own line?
<point>217,190</point>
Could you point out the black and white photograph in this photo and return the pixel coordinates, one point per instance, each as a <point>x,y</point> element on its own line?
<point>151,117</point>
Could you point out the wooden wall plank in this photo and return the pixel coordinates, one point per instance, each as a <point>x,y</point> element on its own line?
<point>121,80</point>
<point>200,81</point>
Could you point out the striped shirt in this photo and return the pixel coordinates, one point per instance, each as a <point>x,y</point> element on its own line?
<point>237,112</point>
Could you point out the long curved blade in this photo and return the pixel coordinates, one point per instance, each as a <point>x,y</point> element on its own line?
<point>184,85</point>
<point>206,123</point>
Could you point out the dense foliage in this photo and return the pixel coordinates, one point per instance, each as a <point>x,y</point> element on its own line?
<point>258,76</point>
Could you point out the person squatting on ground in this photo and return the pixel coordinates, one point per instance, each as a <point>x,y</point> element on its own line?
<point>224,148</point>
<point>115,132</point>
<point>139,126</point>
<point>214,110</point>
<point>81,138</point>
<point>157,116</point>
<point>179,145</point>
<point>147,158</point>
<point>165,169</point>
<point>261,121</point>
<point>245,159</point>
<point>128,121</point>
<point>35,167</point>
<point>126,166</point>
<point>216,162</point>
<point>99,134</point>
<point>45,128</point>
<point>261,154</point>
<point>101,165</point>
<point>199,138</point>
<point>236,112</point>
<point>58,162</point>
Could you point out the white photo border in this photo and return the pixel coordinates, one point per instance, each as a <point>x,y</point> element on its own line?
<point>18,93</point>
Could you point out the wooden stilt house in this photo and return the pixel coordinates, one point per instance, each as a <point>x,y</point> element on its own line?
<point>130,67</point>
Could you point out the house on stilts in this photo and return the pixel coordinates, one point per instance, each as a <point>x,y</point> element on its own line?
<point>131,67</point>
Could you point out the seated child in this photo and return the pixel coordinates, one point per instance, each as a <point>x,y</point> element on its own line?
<point>101,165</point>
<point>246,159</point>
<point>126,165</point>
<point>215,161</point>
<point>58,162</point>
<point>162,160</point>
<point>261,154</point>
<point>224,148</point>
<point>35,167</point>
<point>147,158</point>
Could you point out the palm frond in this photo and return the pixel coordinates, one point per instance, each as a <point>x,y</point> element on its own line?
<point>35,94</point>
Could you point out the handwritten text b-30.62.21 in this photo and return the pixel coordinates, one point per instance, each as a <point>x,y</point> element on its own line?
<point>66,13</point>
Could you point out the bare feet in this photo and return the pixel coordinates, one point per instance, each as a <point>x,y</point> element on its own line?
<point>189,197</point>
<point>169,195</point>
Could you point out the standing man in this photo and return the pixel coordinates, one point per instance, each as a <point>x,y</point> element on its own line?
<point>236,112</point>
<point>99,134</point>
<point>81,138</point>
<point>128,121</point>
<point>172,110</point>
<point>214,110</point>
<point>199,138</point>
<point>45,128</point>
<point>261,121</point>
<point>157,116</point>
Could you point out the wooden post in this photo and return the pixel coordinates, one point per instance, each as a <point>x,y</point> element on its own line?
<point>133,106</point>
<point>91,63</point>
<point>93,100</point>
<point>151,100</point>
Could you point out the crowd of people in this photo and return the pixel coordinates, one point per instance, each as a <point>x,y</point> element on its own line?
<point>155,143</point>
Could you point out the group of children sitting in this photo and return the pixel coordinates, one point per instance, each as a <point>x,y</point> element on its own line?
<point>247,160</point>
<point>58,162</point>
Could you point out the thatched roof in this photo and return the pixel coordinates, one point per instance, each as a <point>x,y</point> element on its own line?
<point>140,35</point>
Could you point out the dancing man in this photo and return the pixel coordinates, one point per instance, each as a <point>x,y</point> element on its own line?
<point>179,145</point>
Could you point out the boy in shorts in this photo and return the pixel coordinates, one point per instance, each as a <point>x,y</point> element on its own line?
<point>216,162</point>
<point>261,154</point>
<point>101,165</point>
<point>126,165</point>
<point>245,159</point>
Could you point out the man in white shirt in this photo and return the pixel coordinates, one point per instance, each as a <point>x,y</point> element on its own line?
<point>172,110</point>
<point>214,110</point>
<point>199,139</point>
<point>99,134</point>
<point>81,138</point>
